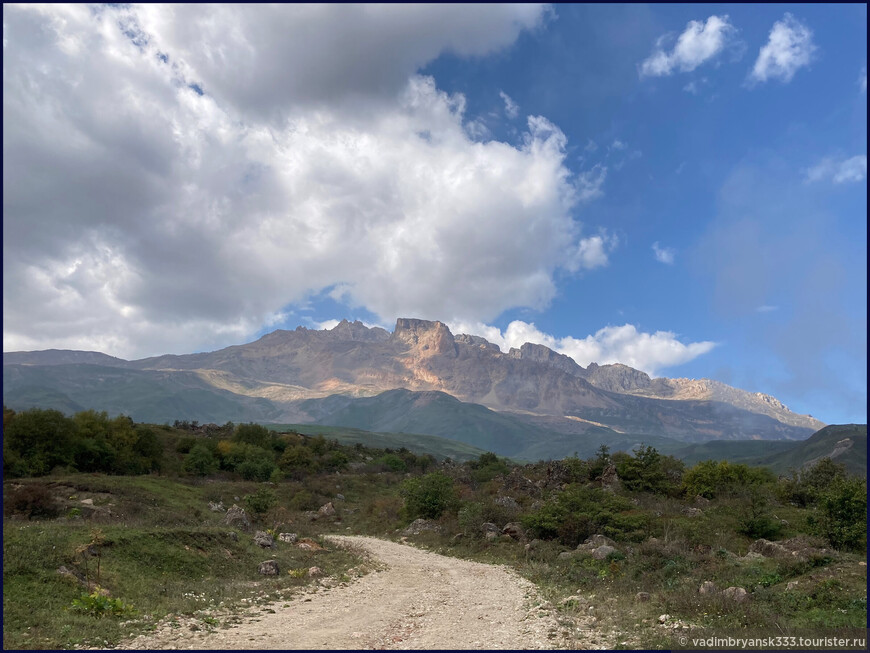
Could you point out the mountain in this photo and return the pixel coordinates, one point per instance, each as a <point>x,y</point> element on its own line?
<point>843,443</point>
<point>276,377</point>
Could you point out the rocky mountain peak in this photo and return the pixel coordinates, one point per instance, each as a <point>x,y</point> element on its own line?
<point>359,332</point>
<point>475,341</point>
<point>425,337</point>
<point>546,356</point>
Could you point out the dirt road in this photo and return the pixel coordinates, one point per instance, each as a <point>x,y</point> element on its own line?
<point>418,600</point>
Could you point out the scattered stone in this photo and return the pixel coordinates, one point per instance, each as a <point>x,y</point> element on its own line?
<point>507,502</point>
<point>290,538</point>
<point>514,530</point>
<point>216,507</point>
<point>609,479</point>
<point>233,536</point>
<point>311,515</point>
<point>664,618</point>
<point>314,572</point>
<point>237,518</point>
<point>87,502</point>
<point>595,541</point>
<point>736,594</point>
<point>701,501</point>
<point>574,599</point>
<point>708,587</point>
<point>642,597</point>
<point>263,539</point>
<point>308,544</point>
<point>791,585</point>
<point>566,555</point>
<point>326,510</point>
<point>533,545</point>
<point>769,549</point>
<point>862,564</point>
<point>692,512</point>
<point>419,525</point>
<point>339,497</point>
<point>268,568</point>
<point>602,552</point>
<point>752,555</point>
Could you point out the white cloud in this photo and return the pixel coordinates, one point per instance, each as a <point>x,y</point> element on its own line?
<point>591,146</point>
<point>700,42</point>
<point>789,48</point>
<point>511,108</point>
<point>182,220</point>
<point>663,254</point>
<point>839,170</point>
<point>592,252</point>
<point>649,352</point>
<point>618,145</point>
<point>590,182</point>
<point>862,80</point>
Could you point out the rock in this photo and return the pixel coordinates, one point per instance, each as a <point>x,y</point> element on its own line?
<point>664,618</point>
<point>769,549</point>
<point>233,536</point>
<point>87,502</point>
<point>419,525</point>
<point>736,594</point>
<point>701,501</point>
<point>237,518</point>
<point>488,526</point>
<point>290,538</point>
<point>533,545</point>
<point>314,572</point>
<point>642,597</point>
<point>602,552</point>
<point>308,544</point>
<point>515,530</point>
<point>609,479</point>
<point>490,535</point>
<point>692,512</point>
<point>507,502</point>
<point>566,555</point>
<point>268,568</point>
<point>311,515</point>
<point>708,587</point>
<point>752,555</point>
<point>326,510</point>
<point>216,507</point>
<point>339,497</point>
<point>573,600</point>
<point>595,541</point>
<point>263,539</point>
<point>791,585</point>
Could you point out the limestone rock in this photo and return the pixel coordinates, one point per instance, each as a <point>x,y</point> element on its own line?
<point>602,552</point>
<point>514,530</point>
<point>326,510</point>
<point>314,572</point>
<point>268,568</point>
<point>595,541</point>
<point>566,555</point>
<point>708,587</point>
<point>736,594</point>
<point>216,507</point>
<point>507,502</point>
<point>308,544</point>
<point>237,518</point>
<point>609,479</point>
<point>290,538</point>
<point>642,597</point>
<point>692,512</point>
<point>419,525</point>
<point>769,549</point>
<point>263,539</point>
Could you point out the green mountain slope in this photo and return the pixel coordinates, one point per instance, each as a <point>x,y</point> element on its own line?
<point>843,443</point>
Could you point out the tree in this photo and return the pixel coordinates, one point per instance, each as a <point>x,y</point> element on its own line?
<point>429,496</point>
<point>200,461</point>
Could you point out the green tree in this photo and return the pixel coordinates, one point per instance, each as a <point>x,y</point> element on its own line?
<point>254,434</point>
<point>200,461</point>
<point>40,440</point>
<point>429,496</point>
<point>844,514</point>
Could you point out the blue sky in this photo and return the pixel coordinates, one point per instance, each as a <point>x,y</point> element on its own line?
<point>681,188</point>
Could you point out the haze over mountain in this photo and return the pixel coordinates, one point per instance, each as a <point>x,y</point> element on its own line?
<point>453,386</point>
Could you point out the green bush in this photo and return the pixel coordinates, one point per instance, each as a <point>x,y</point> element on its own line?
<point>97,604</point>
<point>261,501</point>
<point>649,471</point>
<point>429,496</point>
<point>843,519</point>
<point>710,478</point>
<point>392,462</point>
<point>39,440</point>
<point>254,434</point>
<point>806,486</point>
<point>200,461</point>
<point>31,501</point>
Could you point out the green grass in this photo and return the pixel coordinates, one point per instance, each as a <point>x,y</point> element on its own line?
<point>170,558</point>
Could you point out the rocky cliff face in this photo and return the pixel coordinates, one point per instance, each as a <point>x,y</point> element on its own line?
<point>420,355</point>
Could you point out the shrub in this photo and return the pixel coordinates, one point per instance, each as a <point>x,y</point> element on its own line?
<point>200,461</point>
<point>392,462</point>
<point>710,478</point>
<point>260,501</point>
<point>97,604</point>
<point>470,517</point>
<point>806,486</point>
<point>649,471</point>
<point>335,461</point>
<point>755,520</point>
<point>843,519</point>
<point>429,496</point>
<point>254,434</point>
<point>40,441</point>
<point>31,501</point>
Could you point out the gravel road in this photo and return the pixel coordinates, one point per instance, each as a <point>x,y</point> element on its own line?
<point>417,600</point>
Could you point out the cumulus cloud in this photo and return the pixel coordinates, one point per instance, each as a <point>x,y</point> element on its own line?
<point>663,254</point>
<point>511,108</point>
<point>592,252</point>
<point>649,352</point>
<point>839,171</point>
<point>174,179</point>
<point>699,43</point>
<point>789,48</point>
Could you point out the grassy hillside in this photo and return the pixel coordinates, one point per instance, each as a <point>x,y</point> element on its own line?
<point>440,448</point>
<point>146,396</point>
<point>825,443</point>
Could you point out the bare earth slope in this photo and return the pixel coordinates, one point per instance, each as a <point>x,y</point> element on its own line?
<point>422,600</point>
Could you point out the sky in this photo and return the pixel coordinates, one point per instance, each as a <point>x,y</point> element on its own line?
<point>679,188</point>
